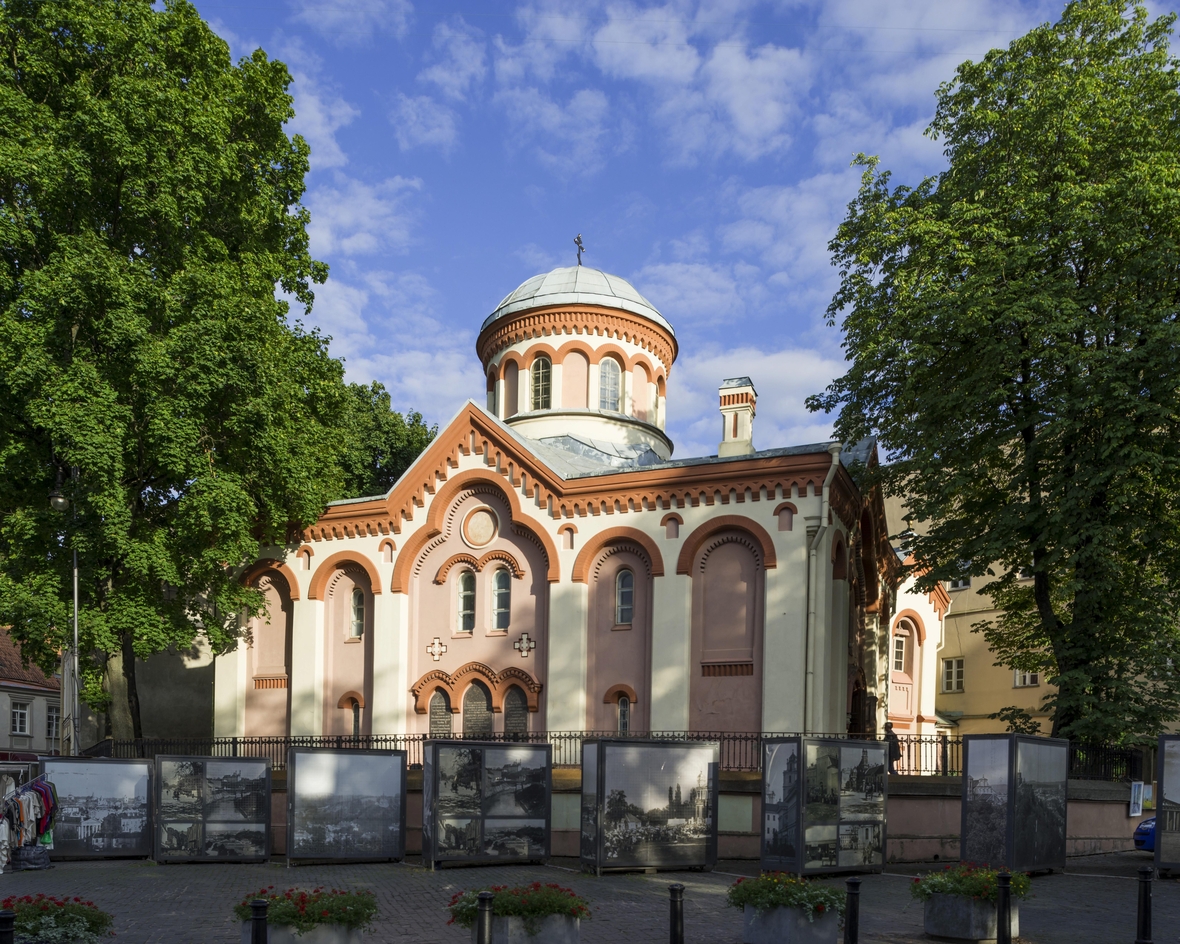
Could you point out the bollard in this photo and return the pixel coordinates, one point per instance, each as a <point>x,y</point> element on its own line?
<point>676,925</point>
<point>258,921</point>
<point>1143,925</point>
<point>1004,910</point>
<point>483,919</point>
<point>852,912</point>
<point>7,926</point>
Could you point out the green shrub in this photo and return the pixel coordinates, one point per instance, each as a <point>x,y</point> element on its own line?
<point>303,910</point>
<point>969,880</point>
<point>58,920</point>
<point>783,890</point>
<point>530,902</point>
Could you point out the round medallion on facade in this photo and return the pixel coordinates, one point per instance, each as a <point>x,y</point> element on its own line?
<point>480,527</point>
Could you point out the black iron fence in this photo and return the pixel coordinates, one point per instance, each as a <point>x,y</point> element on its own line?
<point>1103,762</point>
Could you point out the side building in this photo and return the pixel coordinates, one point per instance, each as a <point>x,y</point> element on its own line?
<point>30,705</point>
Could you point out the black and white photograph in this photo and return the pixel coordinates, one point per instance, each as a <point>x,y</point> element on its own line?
<point>860,845</point>
<point>182,840</point>
<point>236,791</point>
<point>1042,772</point>
<point>820,847</point>
<point>1167,820</point>
<point>235,840</point>
<point>212,808</point>
<point>459,837</point>
<point>182,789</point>
<point>780,771</point>
<point>514,838</point>
<point>460,778</point>
<point>346,804</point>
<point>862,784</point>
<point>658,805</point>
<point>588,847</point>
<point>103,808</point>
<point>985,802</point>
<point>516,782</point>
<point>821,783</point>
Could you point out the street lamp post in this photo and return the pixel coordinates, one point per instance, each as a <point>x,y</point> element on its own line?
<point>58,502</point>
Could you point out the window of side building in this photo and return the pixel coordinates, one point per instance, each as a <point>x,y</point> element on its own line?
<point>952,675</point>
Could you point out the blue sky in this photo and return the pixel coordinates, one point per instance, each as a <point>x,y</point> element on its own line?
<point>702,150</point>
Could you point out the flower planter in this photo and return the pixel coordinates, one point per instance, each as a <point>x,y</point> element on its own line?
<point>788,926</point>
<point>966,919</point>
<point>552,929</point>
<point>322,934</point>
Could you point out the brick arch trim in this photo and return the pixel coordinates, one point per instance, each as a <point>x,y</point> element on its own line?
<point>698,537</point>
<point>479,563</point>
<point>785,506</point>
<point>319,580</point>
<point>613,693</point>
<point>456,683</point>
<point>349,696</point>
<point>672,516</point>
<point>270,565</point>
<point>914,618</point>
<point>432,527</point>
<point>581,571</point>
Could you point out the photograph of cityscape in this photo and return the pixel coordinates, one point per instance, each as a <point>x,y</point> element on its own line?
<point>862,784</point>
<point>588,848</point>
<point>658,805</point>
<point>821,787</point>
<point>516,782</point>
<point>860,845</point>
<point>460,781</point>
<point>345,804</point>
<point>1042,778</point>
<point>780,805</point>
<point>820,847</point>
<point>985,801</point>
<point>1167,821</point>
<point>212,808</point>
<point>103,807</point>
<point>515,838</point>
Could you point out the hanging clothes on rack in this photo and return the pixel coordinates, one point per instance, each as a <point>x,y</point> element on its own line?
<point>29,813</point>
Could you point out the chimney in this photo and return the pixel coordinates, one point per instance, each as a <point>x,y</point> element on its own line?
<point>738,398</point>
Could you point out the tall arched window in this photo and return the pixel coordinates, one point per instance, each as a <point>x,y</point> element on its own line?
<point>501,599</point>
<point>356,718</point>
<point>356,627</point>
<point>610,385</point>
<point>466,601</point>
<point>624,598</point>
<point>542,376</point>
<point>624,714</point>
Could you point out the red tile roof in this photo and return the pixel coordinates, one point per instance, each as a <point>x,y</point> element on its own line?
<point>14,671</point>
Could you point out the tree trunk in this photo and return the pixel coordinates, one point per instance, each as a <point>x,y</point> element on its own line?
<point>132,690</point>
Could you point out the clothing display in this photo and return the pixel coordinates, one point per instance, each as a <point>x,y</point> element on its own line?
<point>26,824</point>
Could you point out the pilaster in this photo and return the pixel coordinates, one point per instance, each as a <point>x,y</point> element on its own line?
<point>671,651</point>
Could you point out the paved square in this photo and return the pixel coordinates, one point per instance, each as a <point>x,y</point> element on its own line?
<point>1093,903</point>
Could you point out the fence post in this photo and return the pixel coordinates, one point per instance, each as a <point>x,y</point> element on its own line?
<point>852,912</point>
<point>258,920</point>
<point>1004,910</point>
<point>483,918</point>
<point>7,926</point>
<point>944,746</point>
<point>676,924</point>
<point>1143,925</point>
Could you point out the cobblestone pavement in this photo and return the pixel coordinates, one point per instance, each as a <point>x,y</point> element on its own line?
<point>1093,903</point>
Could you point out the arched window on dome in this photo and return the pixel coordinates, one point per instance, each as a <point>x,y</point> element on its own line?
<point>492,391</point>
<point>610,393</point>
<point>542,376</point>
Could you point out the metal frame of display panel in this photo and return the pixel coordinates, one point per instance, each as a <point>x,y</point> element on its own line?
<point>163,821</point>
<point>1009,859</point>
<point>147,845</point>
<point>1167,859</point>
<point>432,855</point>
<point>293,755</point>
<point>592,853</point>
<point>866,813</point>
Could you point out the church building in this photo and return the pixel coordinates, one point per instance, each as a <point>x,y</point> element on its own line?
<point>549,564</point>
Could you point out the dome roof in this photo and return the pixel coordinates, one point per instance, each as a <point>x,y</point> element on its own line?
<point>577,285</point>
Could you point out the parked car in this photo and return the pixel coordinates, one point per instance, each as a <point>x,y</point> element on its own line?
<point>1145,836</point>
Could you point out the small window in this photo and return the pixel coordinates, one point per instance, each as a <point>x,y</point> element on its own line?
<point>609,392</point>
<point>542,377</point>
<point>356,628</point>
<point>356,718</point>
<point>1026,679</point>
<point>959,583</point>
<point>53,723</point>
<point>899,653</point>
<point>952,675</point>
<point>786,519</point>
<point>672,529</point>
<point>624,714</point>
<point>466,602</point>
<point>502,598</point>
<point>20,718</point>
<point>624,598</point>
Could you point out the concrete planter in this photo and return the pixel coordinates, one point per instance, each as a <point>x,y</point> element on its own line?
<point>965,919</point>
<point>553,929</point>
<point>321,934</point>
<point>788,926</point>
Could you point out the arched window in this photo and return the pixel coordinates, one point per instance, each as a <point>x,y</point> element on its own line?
<point>356,627</point>
<point>440,715</point>
<point>624,598</point>
<point>516,713</point>
<point>609,385</point>
<point>501,599</point>
<point>356,718</point>
<point>492,391</point>
<point>466,601</point>
<point>624,714</point>
<point>542,383</point>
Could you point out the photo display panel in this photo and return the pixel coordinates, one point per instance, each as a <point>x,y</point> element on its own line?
<point>212,809</point>
<point>104,807</point>
<point>655,805</point>
<point>780,805</point>
<point>1167,804</point>
<point>346,804</point>
<point>986,778</point>
<point>486,801</point>
<point>589,816</point>
<point>1041,787</point>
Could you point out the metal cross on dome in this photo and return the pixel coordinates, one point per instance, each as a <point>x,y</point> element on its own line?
<point>436,648</point>
<point>581,248</point>
<point>524,644</point>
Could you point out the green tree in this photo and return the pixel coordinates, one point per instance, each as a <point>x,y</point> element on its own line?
<point>1012,331</point>
<point>381,442</point>
<point>149,210</point>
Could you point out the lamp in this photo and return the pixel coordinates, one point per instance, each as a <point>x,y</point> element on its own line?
<point>58,501</point>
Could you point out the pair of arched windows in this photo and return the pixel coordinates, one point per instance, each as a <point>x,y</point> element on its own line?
<point>610,386</point>
<point>501,600</point>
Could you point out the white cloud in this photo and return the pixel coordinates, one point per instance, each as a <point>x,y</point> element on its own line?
<point>350,217</point>
<point>318,116</point>
<point>420,121</point>
<point>691,291</point>
<point>461,60</point>
<point>352,22</point>
<point>571,138</point>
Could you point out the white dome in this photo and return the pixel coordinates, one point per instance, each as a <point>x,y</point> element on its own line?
<point>577,285</point>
